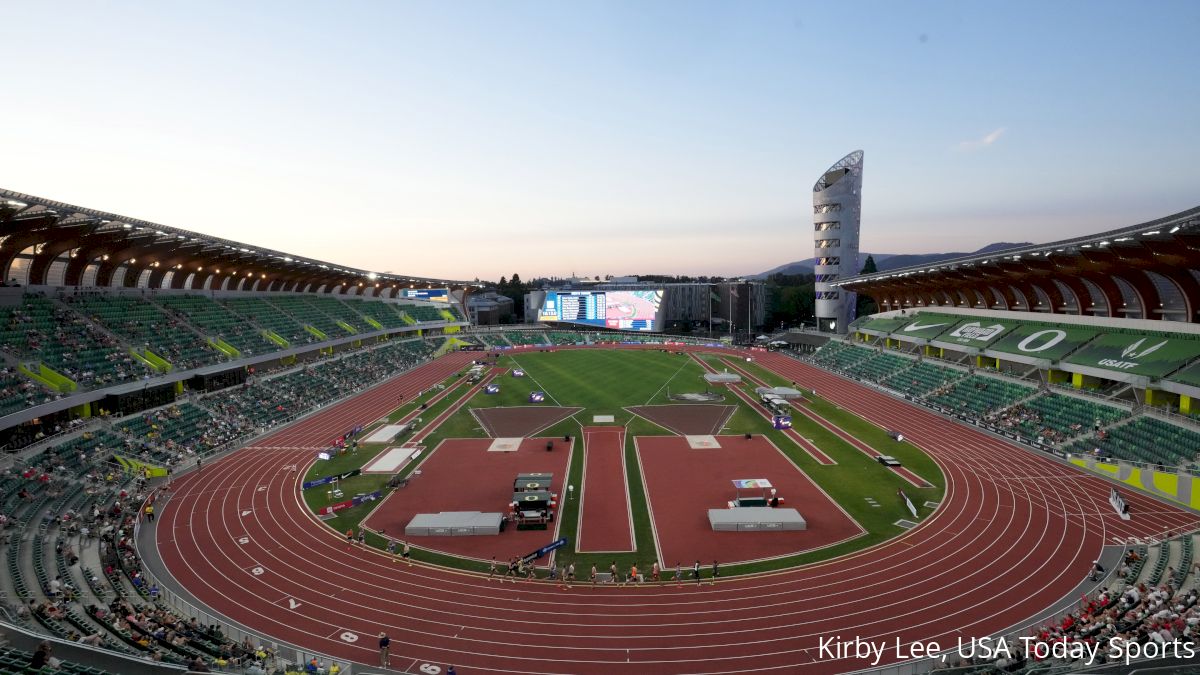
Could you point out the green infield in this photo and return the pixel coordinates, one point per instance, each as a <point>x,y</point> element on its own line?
<point>604,382</point>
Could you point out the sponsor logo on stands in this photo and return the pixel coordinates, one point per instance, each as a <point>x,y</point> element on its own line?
<point>916,325</point>
<point>1131,352</point>
<point>977,332</point>
<point>1052,336</point>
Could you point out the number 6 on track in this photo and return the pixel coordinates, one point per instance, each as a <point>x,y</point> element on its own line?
<point>430,669</point>
<point>257,571</point>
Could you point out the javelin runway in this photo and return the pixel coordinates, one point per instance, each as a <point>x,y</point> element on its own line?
<point>1015,533</point>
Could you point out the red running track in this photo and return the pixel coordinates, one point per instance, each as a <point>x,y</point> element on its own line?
<point>605,522</point>
<point>1014,534</point>
<point>684,483</point>
<point>461,475</point>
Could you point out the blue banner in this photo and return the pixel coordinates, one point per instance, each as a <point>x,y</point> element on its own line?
<point>529,557</point>
<point>329,479</point>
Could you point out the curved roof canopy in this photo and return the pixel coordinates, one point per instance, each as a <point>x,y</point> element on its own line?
<point>51,231</point>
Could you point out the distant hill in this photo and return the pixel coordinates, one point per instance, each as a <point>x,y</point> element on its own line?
<point>888,261</point>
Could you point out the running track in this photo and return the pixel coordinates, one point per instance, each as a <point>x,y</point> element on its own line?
<point>1015,533</point>
<point>605,522</point>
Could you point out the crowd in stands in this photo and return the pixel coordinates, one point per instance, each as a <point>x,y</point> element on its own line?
<point>66,342</point>
<point>18,393</point>
<point>1082,425</point>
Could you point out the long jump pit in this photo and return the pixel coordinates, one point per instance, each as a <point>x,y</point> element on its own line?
<point>683,483</point>
<point>461,475</point>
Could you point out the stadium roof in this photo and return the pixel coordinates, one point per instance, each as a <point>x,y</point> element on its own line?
<point>46,231</point>
<point>1150,270</point>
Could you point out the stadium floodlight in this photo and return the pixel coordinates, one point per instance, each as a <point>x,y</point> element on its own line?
<point>372,276</point>
<point>1175,229</point>
<point>1147,234</point>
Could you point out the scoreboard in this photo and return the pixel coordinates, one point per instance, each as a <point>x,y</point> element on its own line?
<point>627,310</point>
<point>581,307</point>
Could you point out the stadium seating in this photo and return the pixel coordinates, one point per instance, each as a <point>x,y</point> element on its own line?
<point>923,378</point>
<point>144,325</point>
<point>1145,439</point>
<point>423,313</point>
<point>492,340</point>
<point>1053,418</point>
<point>18,393</point>
<point>17,661</point>
<point>565,338</point>
<point>840,356</point>
<point>978,395</point>
<point>526,337</point>
<point>78,455</point>
<point>271,318</point>
<point>339,312</point>
<point>216,321</point>
<point>383,313</point>
<point>41,330</point>
<point>309,314</point>
<point>878,367</point>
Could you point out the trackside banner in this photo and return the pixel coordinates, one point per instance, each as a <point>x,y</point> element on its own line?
<point>1151,355</point>
<point>329,479</point>
<point>1042,341</point>
<point>359,499</point>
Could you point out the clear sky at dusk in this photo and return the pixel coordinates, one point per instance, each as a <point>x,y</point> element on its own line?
<point>464,139</point>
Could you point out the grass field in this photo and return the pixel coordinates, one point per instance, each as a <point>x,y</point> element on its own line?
<point>603,382</point>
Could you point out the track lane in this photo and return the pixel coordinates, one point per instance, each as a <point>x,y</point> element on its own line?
<point>997,534</point>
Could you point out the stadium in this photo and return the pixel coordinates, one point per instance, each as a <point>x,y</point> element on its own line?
<point>228,454</point>
<point>262,404</point>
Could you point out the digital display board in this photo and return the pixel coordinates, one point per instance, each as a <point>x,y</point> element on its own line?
<point>625,310</point>
<point>432,294</point>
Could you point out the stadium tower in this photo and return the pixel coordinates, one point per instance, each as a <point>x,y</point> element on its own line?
<point>837,204</point>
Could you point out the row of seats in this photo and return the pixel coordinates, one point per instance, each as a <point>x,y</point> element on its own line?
<point>145,325</point>
<point>1145,439</point>
<point>1043,419</point>
<point>525,337</point>
<point>40,330</point>
<point>89,338</point>
<point>14,660</point>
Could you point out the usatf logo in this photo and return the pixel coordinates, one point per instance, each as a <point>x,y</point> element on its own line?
<point>974,331</point>
<point>1131,352</point>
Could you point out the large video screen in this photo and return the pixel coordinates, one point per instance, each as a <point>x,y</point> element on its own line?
<point>626,310</point>
<point>433,294</point>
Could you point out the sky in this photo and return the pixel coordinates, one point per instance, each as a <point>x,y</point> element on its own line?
<point>467,140</point>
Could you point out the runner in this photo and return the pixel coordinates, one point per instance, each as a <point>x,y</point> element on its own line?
<point>570,574</point>
<point>362,537</point>
<point>404,554</point>
<point>349,538</point>
<point>716,573</point>
<point>492,569</point>
<point>615,575</point>
<point>654,575</point>
<point>696,572</point>
<point>594,575</point>
<point>391,549</point>
<point>633,573</point>
<point>678,576</point>
<point>511,571</point>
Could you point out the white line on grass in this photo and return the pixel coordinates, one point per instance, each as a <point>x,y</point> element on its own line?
<point>672,377</point>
